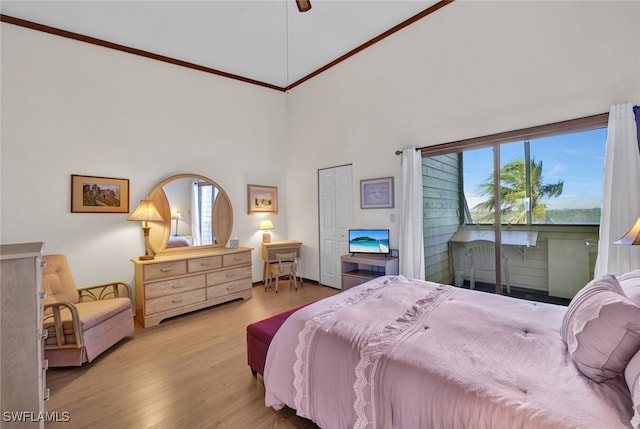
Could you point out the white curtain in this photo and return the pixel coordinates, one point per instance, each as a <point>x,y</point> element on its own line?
<point>621,193</point>
<point>195,214</point>
<point>411,234</point>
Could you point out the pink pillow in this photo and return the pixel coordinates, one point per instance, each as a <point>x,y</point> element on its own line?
<point>630,283</point>
<point>602,329</point>
<point>632,376</point>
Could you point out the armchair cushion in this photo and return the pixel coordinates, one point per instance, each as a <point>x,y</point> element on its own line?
<point>57,281</point>
<point>91,313</point>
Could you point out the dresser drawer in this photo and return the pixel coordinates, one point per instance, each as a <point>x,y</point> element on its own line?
<point>203,264</point>
<point>236,259</point>
<point>168,287</point>
<point>228,275</point>
<point>170,302</point>
<point>228,288</point>
<point>164,269</point>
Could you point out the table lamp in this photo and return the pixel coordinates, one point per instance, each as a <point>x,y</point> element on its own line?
<point>145,212</point>
<point>632,237</point>
<point>177,216</point>
<point>265,226</point>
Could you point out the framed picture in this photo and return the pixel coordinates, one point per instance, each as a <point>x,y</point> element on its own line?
<point>262,199</point>
<point>376,193</point>
<point>91,194</point>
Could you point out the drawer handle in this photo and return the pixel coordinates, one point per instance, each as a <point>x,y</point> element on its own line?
<point>176,301</point>
<point>230,275</point>
<point>230,288</point>
<point>238,258</point>
<point>43,295</point>
<point>166,269</point>
<point>205,264</point>
<point>176,286</point>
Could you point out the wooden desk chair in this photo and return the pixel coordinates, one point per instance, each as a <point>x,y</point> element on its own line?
<point>287,266</point>
<point>298,274</point>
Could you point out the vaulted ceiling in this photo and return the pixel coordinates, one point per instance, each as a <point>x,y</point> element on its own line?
<point>266,41</point>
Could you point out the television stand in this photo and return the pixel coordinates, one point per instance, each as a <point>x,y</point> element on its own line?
<point>360,268</point>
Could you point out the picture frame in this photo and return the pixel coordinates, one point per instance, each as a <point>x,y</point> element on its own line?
<point>95,194</point>
<point>262,199</point>
<point>377,193</point>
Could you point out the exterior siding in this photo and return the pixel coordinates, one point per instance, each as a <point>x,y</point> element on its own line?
<point>441,188</point>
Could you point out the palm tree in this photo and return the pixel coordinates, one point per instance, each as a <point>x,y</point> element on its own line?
<point>513,195</point>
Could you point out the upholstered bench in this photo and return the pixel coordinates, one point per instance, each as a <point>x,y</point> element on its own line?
<point>259,336</point>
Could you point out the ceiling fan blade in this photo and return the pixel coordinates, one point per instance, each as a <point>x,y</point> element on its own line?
<point>303,5</point>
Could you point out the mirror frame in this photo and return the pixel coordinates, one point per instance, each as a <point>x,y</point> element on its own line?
<point>160,231</point>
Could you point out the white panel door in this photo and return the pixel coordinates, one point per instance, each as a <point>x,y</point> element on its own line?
<point>335,190</point>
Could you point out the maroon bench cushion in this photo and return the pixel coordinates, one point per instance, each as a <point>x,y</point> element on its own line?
<point>259,336</point>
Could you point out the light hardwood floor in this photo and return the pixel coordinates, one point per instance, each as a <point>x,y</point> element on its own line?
<point>189,372</point>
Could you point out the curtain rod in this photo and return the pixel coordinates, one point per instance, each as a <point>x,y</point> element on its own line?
<point>579,124</point>
<point>399,152</point>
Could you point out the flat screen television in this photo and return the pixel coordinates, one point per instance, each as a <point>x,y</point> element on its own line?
<point>373,241</point>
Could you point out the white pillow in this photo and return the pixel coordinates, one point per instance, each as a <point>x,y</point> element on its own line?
<point>632,376</point>
<point>602,329</point>
<point>630,284</point>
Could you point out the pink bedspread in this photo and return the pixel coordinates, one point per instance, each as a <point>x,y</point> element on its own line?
<point>400,353</point>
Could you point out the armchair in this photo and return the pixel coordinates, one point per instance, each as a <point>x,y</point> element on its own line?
<point>81,323</point>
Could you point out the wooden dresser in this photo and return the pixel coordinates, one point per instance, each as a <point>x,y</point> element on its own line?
<point>171,285</point>
<point>23,387</point>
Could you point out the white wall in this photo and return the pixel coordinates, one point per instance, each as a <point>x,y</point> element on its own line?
<point>471,69</point>
<point>74,108</point>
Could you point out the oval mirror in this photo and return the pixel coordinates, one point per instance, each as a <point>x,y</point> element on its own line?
<point>197,215</point>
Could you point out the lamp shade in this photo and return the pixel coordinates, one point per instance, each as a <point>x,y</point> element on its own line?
<point>176,215</point>
<point>632,237</point>
<point>266,224</point>
<point>146,211</point>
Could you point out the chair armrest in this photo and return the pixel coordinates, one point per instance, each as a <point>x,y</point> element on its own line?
<point>61,341</point>
<point>105,291</point>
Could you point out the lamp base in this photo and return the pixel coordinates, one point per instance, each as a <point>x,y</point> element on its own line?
<point>148,254</point>
<point>266,237</point>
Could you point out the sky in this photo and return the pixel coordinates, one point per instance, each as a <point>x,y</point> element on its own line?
<point>577,159</point>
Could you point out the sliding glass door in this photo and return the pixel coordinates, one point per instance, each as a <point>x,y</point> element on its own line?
<point>515,216</point>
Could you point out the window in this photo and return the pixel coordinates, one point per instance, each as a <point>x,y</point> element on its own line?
<point>549,180</point>
<point>207,194</point>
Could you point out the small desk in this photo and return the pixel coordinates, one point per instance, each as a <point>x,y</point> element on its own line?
<point>269,251</point>
<point>509,238</point>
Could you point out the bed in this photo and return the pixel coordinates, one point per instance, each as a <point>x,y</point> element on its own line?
<point>402,353</point>
<point>178,241</point>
